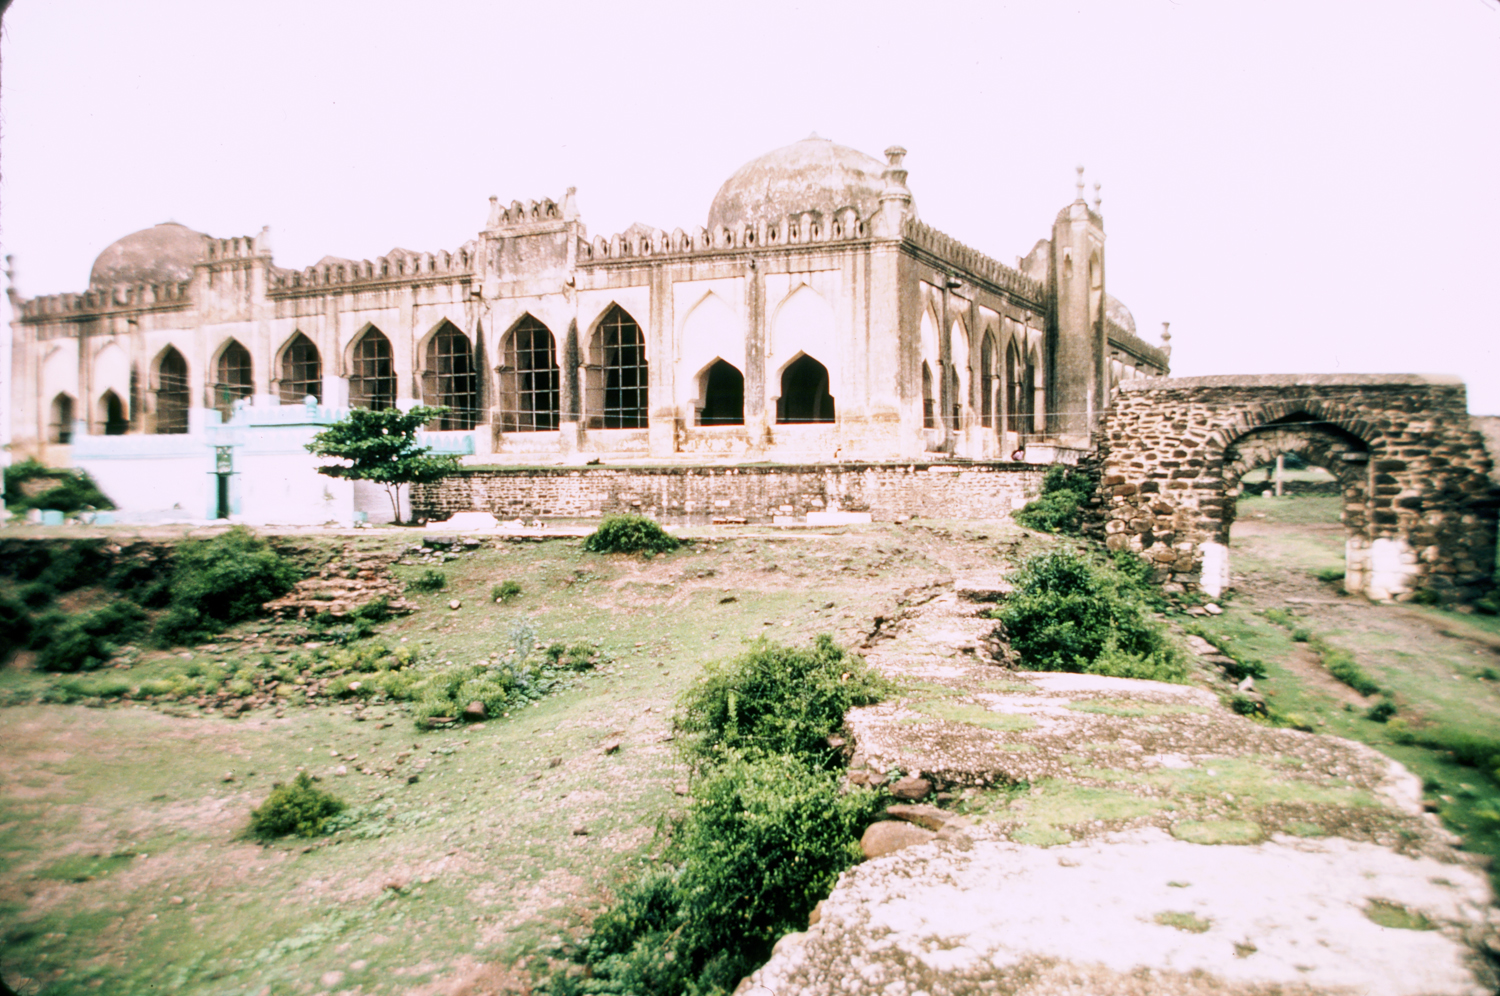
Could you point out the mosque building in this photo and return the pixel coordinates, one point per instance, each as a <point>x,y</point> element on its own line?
<point>814,319</point>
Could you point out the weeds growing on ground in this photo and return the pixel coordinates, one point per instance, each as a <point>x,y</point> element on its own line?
<point>1057,510</point>
<point>300,808</point>
<point>629,533</point>
<point>428,581</point>
<point>1070,613</point>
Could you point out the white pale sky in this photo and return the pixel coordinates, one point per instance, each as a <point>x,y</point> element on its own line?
<point>1296,185</point>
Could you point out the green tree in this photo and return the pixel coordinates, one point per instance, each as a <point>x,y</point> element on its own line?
<point>382,447</point>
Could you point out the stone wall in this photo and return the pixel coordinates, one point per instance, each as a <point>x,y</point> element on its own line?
<point>1419,507</point>
<point>753,493</point>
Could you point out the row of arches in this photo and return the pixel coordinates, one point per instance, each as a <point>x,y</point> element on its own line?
<point>1012,400</point>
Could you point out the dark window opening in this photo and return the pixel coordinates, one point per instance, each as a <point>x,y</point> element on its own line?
<point>1020,378</point>
<point>723,395</point>
<point>804,393</point>
<point>61,429</point>
<point>625,371</point>
<point>530,380</point>
<point>172,395</point>
<point>301,371</point>
<point>451,379</point>
<point>929,408</point>
<point>234,380</point>
<point>987,383</point>
<point>372,384</point>
<point>115,420</point>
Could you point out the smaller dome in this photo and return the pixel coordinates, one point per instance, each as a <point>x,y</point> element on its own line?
<point>160,255</point>
<point>1115,311</point>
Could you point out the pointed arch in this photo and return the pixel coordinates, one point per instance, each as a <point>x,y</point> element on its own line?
<point>450,377</point>
<point>711,330</point>
<point>173,396</point>
<point>959,374</point>
<point>233,377</point>
<point>530,382</point>
<point>111,373</point>
<point>60,422</point>
<point>112,414</point>
<point>617,377</point>
<point>804,322</point>
<point>1020,382</point>
<point>987,379</point>
<point>722,388</point>
<point>805,396</point>
<point>301,371</point>
<point>372,371</point>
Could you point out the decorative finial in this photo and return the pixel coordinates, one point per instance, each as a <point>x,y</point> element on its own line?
<point>1097,199</point>
<point>813,137</point>
<point>894,155</point>
<point>1079,182</point>
<point>1166,335</point>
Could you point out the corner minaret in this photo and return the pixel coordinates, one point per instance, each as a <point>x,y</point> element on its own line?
<point>1079,367</point>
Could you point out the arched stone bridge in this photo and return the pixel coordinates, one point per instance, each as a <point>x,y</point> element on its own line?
<point>1419,506</point>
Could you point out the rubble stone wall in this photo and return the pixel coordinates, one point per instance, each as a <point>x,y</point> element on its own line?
<point>1419,507</point>
<point>753,493</point>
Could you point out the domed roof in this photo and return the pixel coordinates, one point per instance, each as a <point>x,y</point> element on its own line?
<point>1116,311</point>
<point>159,255</point>
<point>814,174</point>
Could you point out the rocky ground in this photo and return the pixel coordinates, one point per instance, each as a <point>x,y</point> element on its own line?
<point>1108,836</point>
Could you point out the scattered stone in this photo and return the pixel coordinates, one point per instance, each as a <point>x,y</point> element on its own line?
<point>474,711</point>
<point>609,747</point>
<point>228,776</point>
<point>930,817</point>
<point>341,771</point>
<point>890,836</point>
<point>580,831</point>
<point>1200,646</point>
<point>816,914</point>
<point>554,762</point>
<point>455,604</point>
<point>681,788</point>
<point>1212,609</point>
<point>411,779</point>
<point>910,788</point>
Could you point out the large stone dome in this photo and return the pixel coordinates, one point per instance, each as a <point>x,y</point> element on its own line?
<point>160,255</point>
<point>814,174</point>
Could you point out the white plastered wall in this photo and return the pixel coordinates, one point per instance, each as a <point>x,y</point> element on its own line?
<point>802,319</point>
<point>711,326</point>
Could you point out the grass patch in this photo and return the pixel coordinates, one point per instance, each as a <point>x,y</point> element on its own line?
<point>1218,831</point>
<point>86,867</point>
<point>428,581</point>
<point>1189,922</point>
<point>1109,708</point>
<point>1396,916</point>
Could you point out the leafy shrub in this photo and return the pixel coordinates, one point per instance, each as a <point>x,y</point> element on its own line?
<point>1329,575</point>
<point>37,594</point>
<point>376,610</point>
<point>629,533</point>
<point>86,641</point>
<point>26,487</point>
<point>300,808</point>
<point>1069,614</point>
<point>763,842</point>
<point>1300,635</point>
<point>15,625</point>
<point>775,699</point>
<point>1381,711</point>
<point>221,581</point>
<point>1468,749</point>
<point>505,591</point>
<point>428,581</point>
<point>1057,510</point>
<point>766,836</point>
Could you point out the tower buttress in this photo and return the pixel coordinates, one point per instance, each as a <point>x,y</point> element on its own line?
<point>1080,357</point>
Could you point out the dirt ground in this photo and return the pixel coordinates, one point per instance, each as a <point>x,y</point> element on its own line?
<point>125,866</point>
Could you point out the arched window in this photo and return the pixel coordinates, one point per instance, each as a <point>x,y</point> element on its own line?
<point>723,395</point>
<point>301,371</point>
<point>804,393</point>
<point>529,380</point>
<point>987,382</point>
<point>61,429</point>
<point>372,380</point>
<point>172,394</point>
<point>929,408</point>
<point>112,413</point>
<point>1020,378</point>
<point>451,379</point>
<point>234,379</point>
<point>618,374</point>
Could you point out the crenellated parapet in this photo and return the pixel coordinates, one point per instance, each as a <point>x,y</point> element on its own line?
<point>1126,341</point>
<point>950,250</point>
<point>529,214</point>
<point>243,247</point>
<point>396,265</point>
<point>807,228</point>
<point>122,297</point>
